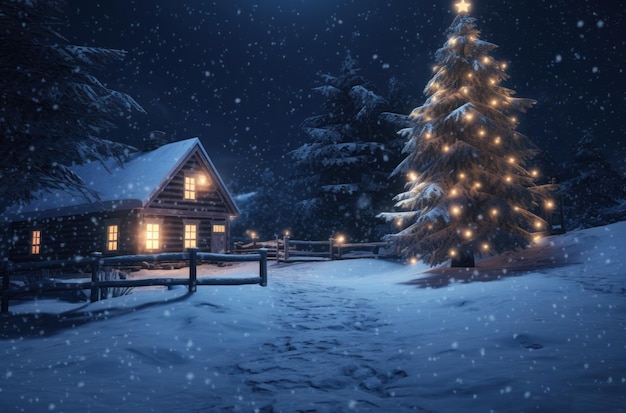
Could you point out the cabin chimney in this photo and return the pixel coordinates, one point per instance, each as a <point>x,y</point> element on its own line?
<point>154,140</point>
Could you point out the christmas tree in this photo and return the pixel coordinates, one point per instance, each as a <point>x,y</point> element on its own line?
<point>468,191</point>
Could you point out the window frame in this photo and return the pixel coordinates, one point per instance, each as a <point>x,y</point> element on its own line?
<point>190,187</point>
<point>108,240</point>
<point>196,225</point>
<point>218,228</point>
<point>35,247</point>
<point>148,242</point>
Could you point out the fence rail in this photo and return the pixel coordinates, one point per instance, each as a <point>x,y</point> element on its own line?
<point>289,250</point>
<point>96,262</point>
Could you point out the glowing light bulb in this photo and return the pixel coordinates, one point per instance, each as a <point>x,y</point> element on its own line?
<point>446,148</point>
<point>411,176</point>
<point>508,178</point>
<point>461,175</point>
<point>413,261</point>
<point>492,81</point>
<point>511,159</point>
<point>497,140</point>
<point>503,65</point>
<point>468,233</point>
<point>454,192</point>
<point>455,211</point>
<point>469,117</point>
<point>494,102</point>
<point>550,204</point>
<point>534,173</point>
<point>481,132</point>
<point>538,224</point>
<point>494,212</point>
<point>452,253</point>
<point>486,60</point>
<point>453,41</point>
<point>485,246</point>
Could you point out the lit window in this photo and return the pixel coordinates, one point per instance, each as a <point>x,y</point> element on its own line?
<point>112,237</point>
<point>35,247</point>
<point>152,236</point>
<point>191,236</point>
<point>190,187</point>
<point>219,228</point>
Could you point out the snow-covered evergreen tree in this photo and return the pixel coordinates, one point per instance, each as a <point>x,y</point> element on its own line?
<point>52,109</point>
<point>342,171</point>
<point>468,192</point>
<point>596,194</point>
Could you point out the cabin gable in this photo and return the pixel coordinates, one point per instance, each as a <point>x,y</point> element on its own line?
<point>194,191</point>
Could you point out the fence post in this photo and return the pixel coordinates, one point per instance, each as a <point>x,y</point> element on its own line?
<point>330,249</point>
<point>193,273</point>
<point>263,266</point>
<point>5,285</point>
<point>286,245</point>
<point>95,272</point>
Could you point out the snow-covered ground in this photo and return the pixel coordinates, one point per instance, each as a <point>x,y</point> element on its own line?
<point>543,330</point>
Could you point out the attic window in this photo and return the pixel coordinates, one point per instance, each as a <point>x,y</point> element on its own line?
<point>190,187</point>
<point>35,244</point>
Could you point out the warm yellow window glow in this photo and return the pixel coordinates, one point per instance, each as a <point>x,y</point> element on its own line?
<point>190,187</point>
<point>112,237</point>
<point>191,236</point>
<point>152,236</point>
<point>219,228</point>
<point>35,246</point>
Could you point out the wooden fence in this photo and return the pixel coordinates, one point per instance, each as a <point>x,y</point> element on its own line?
<point>96,262</point>
<point>290,250</point>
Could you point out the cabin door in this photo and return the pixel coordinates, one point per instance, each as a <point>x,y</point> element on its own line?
<point>218,238</point>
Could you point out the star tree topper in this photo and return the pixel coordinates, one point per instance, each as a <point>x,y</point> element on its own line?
<point>462,7</point>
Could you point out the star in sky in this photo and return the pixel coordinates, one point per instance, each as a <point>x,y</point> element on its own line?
<point>462,7</point>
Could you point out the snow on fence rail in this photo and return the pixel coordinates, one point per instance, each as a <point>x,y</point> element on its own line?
<point>287,249</point>
<point>96,262</point>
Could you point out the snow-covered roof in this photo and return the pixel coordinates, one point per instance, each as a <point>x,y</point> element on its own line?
<point>131,185</point>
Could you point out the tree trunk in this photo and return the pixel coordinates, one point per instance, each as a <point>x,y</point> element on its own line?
<point>464,259</point>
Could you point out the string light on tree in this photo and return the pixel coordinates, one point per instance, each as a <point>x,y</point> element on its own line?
<point>471,171</point>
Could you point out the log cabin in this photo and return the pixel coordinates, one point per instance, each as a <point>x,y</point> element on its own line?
<point>164,200</point>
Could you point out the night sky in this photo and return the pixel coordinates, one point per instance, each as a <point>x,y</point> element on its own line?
<point>239,74</point>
